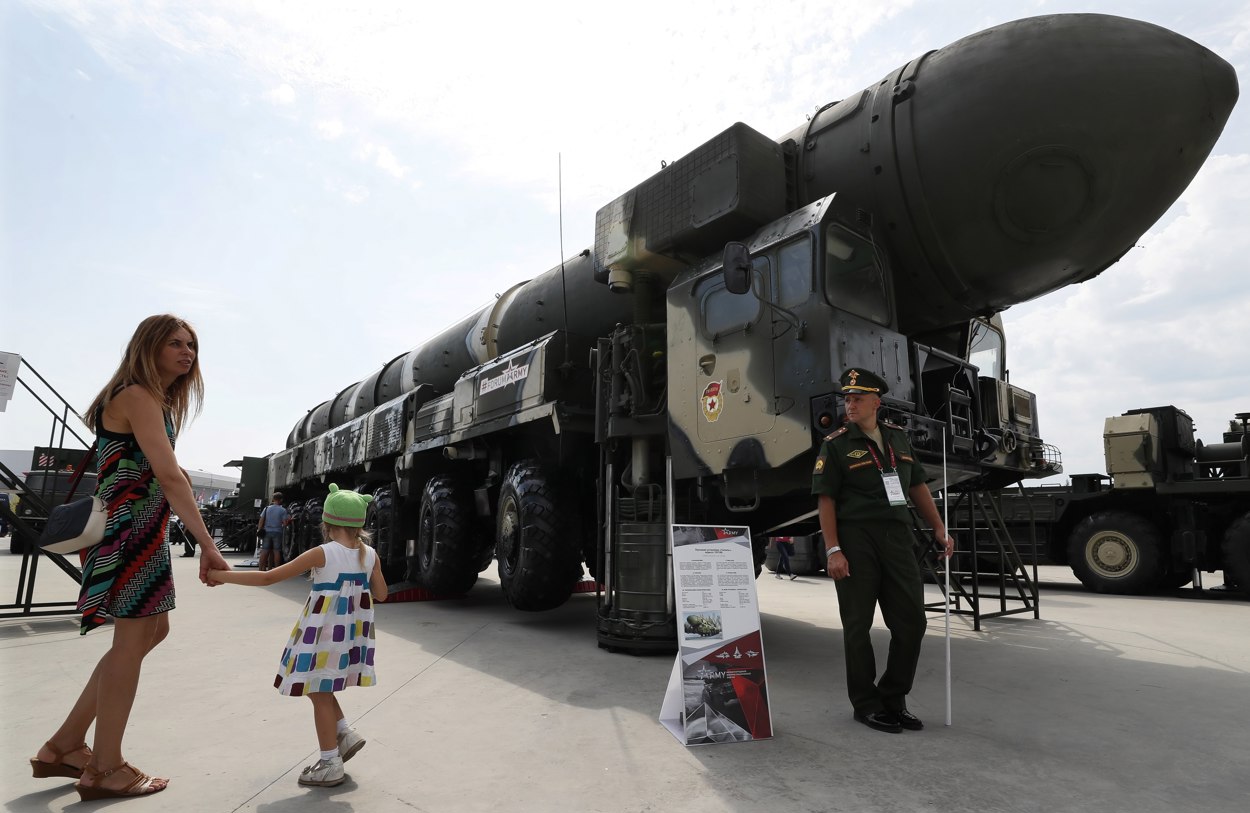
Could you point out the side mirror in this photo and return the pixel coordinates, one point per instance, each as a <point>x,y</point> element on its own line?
<point>736,268</point>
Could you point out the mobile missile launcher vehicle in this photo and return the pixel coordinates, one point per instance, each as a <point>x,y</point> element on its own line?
<point>684,367</point>
<point>1169,505</point>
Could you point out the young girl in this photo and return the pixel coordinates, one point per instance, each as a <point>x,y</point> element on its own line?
<point>332,644</point>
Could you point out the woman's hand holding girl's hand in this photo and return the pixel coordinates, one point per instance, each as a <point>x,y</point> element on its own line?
<point>211,559</point>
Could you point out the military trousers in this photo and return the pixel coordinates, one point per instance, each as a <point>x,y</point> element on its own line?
<point>884,571</point>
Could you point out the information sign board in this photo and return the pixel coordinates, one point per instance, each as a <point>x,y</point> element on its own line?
<point>717,691</point>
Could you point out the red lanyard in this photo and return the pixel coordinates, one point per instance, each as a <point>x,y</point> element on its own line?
<point>877,460</point>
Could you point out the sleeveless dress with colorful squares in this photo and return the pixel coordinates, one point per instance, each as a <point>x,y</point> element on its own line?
<point>332,644</point>
<point>127,575</point>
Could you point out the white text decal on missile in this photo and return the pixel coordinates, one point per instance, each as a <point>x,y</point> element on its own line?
<point>505,378</point>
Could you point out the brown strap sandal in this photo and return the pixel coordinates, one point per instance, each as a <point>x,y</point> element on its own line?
<point>58,767</point>
<point>141,786</point>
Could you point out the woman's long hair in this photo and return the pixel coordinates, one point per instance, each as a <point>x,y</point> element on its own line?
<point>138,367</point>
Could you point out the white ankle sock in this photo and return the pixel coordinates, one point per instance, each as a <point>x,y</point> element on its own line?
<point>329,755</point>
<point>343,726</point>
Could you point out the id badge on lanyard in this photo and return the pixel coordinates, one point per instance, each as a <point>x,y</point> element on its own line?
<point>893,485</point>
<point>893,488</point>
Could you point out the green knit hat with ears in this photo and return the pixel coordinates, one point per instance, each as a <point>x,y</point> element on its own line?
<point>346,508</point>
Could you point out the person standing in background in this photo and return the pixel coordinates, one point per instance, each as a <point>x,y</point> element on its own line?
<point>784,548</point>
<point>272,520</point>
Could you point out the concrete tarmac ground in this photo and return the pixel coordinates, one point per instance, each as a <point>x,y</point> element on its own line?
<point>1104,704</point>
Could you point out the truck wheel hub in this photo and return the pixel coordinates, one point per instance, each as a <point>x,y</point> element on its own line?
<point>1111,553</point>
<point>509,533</point>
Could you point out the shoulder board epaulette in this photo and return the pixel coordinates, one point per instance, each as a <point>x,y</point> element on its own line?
<point>836,433</point>
<point>893,426</point>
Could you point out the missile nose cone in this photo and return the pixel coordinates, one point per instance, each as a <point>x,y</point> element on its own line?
<point>1051,144</point>
<point>1034,154</point>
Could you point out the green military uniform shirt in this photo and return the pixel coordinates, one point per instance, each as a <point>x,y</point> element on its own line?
<point>847,471</point>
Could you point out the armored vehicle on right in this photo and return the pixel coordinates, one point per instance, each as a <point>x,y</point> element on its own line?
<point>1169,506</point>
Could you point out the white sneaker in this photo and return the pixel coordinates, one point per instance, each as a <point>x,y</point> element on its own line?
<point>349,743</point>
<point>323,773</point>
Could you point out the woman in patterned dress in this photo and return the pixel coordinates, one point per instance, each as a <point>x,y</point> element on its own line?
<point>128,576</point>
<point>332,644</point>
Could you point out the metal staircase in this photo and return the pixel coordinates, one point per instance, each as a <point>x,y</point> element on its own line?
<point>988,577</point>
<point>28,519</point>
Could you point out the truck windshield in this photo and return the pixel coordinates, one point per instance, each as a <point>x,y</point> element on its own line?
<point>985,349</point>
<point>853,280</point>
<point>794,272</point>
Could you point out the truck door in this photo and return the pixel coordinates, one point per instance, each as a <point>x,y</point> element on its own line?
<point>861,334</point>
<point>733,359</point>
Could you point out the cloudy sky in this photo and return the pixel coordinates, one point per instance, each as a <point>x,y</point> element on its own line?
<point>320,186</point>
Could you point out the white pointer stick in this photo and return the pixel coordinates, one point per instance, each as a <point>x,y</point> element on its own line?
<point>947,592</point>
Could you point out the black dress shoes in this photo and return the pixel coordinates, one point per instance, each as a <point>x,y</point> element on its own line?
<point>880,720</point>
<point>908,720</point>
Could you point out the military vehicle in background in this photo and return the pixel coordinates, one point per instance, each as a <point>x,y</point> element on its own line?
<point>232,519</point>
<point>7,505</point>
<point>1168,506</point>
<point>685,366</point>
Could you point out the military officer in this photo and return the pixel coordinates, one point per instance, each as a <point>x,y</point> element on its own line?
<point>864,474</point>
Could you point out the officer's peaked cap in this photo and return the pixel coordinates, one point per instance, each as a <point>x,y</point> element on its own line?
<point>859,381</point>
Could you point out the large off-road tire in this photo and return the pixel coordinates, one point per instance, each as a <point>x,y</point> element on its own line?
<point>383,523</point>
<point>308,531</point>
<point>1116,552</point>
<point>447,555</point>
<point>291,535</point>
<point>539,560</point>
<point>1235,550</point>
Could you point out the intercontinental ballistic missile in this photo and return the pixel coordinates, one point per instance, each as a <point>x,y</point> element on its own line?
<point>690,356</point>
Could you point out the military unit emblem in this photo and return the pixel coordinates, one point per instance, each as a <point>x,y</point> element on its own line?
<point>710,401</point>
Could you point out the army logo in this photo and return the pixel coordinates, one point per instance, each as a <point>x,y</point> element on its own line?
<point>711,401</point>
<point>820,465</point>
<point>857,453</point>
<point>509,375</point>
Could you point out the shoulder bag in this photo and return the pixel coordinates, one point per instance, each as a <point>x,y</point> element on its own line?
<point>73,526</point>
